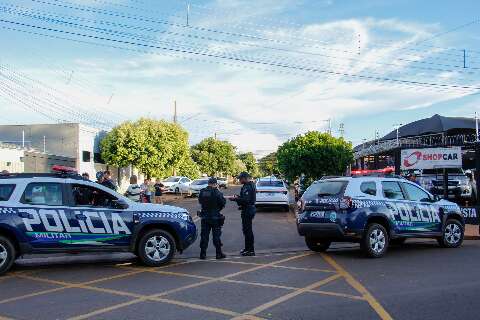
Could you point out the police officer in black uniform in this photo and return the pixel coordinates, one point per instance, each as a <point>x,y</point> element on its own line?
<point>246,201</point>
<point>212,202</point>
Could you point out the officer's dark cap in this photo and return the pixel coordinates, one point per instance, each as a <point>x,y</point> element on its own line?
<point>212,181</point>
<point>243,175</point>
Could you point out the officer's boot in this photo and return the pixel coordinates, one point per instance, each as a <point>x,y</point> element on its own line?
<point>220,254</point>
<point>203,254</point>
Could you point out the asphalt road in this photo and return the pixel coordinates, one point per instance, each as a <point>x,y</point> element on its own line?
<point>284,281</point>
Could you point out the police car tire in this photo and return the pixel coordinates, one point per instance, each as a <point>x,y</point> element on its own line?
<point>10,250</point>
<point>443,242</point>
<point>365,243</point>
<point>317,245</point>
<point>145,259</point>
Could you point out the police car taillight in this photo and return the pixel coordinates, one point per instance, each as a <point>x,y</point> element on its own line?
<point>63,169</point>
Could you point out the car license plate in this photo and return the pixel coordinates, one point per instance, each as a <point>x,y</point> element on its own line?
<point>317,214</point>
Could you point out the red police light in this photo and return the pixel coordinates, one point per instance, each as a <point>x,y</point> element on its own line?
<point>63,169</point>
<point>387,170</point>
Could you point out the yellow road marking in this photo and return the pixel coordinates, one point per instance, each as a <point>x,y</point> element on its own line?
<point>168,292</point>
<point>5,318</point>
<point>32,295</point>
<point>384,315</point>
<point>293,294</point>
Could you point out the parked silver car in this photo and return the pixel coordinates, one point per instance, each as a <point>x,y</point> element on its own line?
<point>459,184</point>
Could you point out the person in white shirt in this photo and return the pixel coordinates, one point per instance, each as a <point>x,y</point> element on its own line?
<point>134,190</point>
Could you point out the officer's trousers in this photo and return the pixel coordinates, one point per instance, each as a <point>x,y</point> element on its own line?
<point>247,229</point>
<point>212,225</point>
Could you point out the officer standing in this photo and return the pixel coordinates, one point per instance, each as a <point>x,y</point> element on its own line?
<point>212,202</point>
<point>246,201</point>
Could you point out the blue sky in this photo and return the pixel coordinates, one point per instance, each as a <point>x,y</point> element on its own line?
<point>308,61</point>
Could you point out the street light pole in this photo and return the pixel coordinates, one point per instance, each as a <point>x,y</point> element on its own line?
<point>397,127</point>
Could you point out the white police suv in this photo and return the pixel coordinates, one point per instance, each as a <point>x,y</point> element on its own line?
<point>61,212</point>
<point>375,211</point>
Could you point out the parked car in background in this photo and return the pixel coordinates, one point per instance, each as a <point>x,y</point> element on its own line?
<point>198,185</point>
<point>272,192</point>
<point>222,183</point>
<point>459,184</point>
<point>177,184</point>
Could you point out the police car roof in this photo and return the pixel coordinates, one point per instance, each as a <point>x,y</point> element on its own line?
<point>59,175</point>
<point>369,178</point>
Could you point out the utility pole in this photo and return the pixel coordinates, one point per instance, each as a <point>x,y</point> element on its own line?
<point>44,144</point>
<point>188,13</point>
<point>341,129</point>
<point>464,58</point>
<point>397,127</point>
<point>476,127</point>
<point>215,135</point>
<point>174,111</point>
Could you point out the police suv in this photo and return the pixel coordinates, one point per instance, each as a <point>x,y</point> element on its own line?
<point>61,212</point>
<point>375,211</point>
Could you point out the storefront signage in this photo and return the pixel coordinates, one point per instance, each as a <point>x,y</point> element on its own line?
<point>431,158</point>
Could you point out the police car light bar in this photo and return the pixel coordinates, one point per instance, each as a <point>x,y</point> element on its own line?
<point>63,169</point>
<point>384,171</point>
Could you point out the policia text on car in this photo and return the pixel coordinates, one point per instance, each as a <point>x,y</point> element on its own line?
<point>212,202</point>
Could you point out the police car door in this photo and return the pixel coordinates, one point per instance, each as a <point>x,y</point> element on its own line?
<point>96,219</point>
<point>424,215</point>
<point>398,205</point>
<point>42,215</point>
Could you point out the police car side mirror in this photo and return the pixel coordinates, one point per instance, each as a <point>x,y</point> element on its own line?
<point>118,204</point>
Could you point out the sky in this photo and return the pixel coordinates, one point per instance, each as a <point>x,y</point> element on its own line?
<point>255,73</point>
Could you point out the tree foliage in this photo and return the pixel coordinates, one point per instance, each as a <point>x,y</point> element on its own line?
<point>154,147</point>
<point>314,154</point>
<point>268,165</point>
<point>214,156</point>
<point>250,163</point>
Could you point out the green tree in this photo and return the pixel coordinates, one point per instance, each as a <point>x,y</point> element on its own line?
<point>238,167</point>
<point>154,147</point>
<point>314,154</point>
<point>268,165</point>
<point>214,156</point>
<point>250,163</point>
<point>188,168</point>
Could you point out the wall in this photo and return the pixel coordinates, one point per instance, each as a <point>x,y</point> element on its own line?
<point>11,159</point>
<point>37,162</point>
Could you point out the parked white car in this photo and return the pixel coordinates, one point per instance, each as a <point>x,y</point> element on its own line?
<point>272,191</point>
<point>198,185</point>
<point>177,184</point>
<point>222,183</point>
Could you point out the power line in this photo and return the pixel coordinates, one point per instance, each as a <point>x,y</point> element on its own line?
<point>238,59</point>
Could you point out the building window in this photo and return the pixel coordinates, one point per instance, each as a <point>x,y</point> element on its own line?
<point>86,156</point>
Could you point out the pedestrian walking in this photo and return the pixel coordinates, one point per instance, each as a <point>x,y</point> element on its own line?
<point>133,190</point>
<point>246,202</point>
<point>158,191</point>
<point>86,176</point>
<point>146,190</point>
<point>212,202</point>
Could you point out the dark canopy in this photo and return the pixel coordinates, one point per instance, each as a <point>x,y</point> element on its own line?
<point>435,124</point>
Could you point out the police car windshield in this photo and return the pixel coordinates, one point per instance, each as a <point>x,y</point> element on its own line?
<point>199,182</point>
<point>270,183</point>
<point>440,171</point>
<point>324,189</point>
<point>172,179</point>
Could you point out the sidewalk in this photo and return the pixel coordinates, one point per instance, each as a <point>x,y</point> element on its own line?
<point>471,232</point>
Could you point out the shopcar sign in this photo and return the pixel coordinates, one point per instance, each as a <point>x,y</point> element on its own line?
<point>431,158</point>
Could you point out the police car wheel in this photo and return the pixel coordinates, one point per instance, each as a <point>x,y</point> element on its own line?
<point>156,248</point>
<point>7,254</point>
<point>317,245</point>
<point>452,236</point>
<point>375,241</point>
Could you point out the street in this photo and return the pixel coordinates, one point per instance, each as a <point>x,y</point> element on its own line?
<point>284,281</point>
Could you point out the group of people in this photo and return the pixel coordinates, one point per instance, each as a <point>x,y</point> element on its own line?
<point>146,192</point>
<point>212,202</point>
